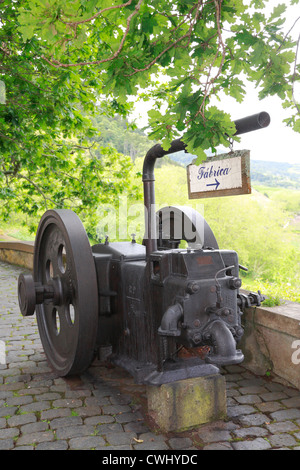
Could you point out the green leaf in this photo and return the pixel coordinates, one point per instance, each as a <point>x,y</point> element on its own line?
<point>278,11</point>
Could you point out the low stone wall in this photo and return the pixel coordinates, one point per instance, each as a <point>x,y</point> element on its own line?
<point>19,253</point>
<point>271,341</point>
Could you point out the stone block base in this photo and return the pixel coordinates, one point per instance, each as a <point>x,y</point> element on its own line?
<point>188,403</point>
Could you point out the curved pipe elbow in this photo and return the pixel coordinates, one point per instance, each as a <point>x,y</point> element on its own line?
<point>223,344</point>
<point>158,152</point>
<point>169,321</point>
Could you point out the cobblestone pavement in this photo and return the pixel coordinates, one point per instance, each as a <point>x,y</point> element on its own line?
<point>103,409</point>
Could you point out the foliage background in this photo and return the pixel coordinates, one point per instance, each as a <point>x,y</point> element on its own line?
<point>71,71</point>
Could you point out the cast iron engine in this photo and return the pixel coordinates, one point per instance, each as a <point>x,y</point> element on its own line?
<point>146,301</point>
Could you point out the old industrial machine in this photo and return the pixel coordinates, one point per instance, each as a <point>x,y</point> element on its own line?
<point>146,301</point>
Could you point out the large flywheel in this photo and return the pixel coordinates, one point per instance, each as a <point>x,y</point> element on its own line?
<point>63,291</point>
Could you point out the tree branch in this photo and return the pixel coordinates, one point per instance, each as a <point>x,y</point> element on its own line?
<point>175,43</point>
<point>57,64</point>
<point>295,74</point>
<point>75,23</point>
<point>210,81</point>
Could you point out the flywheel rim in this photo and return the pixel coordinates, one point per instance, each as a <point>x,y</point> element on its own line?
<point>68,324</point>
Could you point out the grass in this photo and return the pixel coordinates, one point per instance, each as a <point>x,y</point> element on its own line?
<point>285,281</point>
<point>276,292</point>
<point>15,230</point>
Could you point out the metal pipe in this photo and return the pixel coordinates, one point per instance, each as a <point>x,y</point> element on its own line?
<point>169,321</point>
<point>248,124</point>
<point>252,123</point>
<point>224,345</point>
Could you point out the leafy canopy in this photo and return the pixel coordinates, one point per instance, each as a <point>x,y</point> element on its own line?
<point>49,156</point>
<point>62,63</point>
<point>182,54</point>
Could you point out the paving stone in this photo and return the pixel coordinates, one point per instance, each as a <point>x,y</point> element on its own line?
<point>136,426</point>
<point>9,432</point>
<point>214,436</point>
<point>128,417</point>
<point>86,411</point>
<point>8,411</point>
<point>233,393</point>
<point>4,394</point>
<point>252,431</point>
<point>68,432</point>
<point>33,391</point>
<point>108,428</point>
<point>120,438</point>
<point>273,396</point>
<point>275,387</point>
<point>283,415</point>
<point>282,426</point>
<point>77,393</point>
<point>35,438</point>
<point>149,437</point>
<point>257,444</point>
<point>255,419</point>
<point>55,445</point>
<point>248,399</point>
<point>252,382</point>
<point>56,413</point>
<point>25,448</point>
<point>34,427</point>
<point>234,369</point>
<point>90,442</point>
<point>291,392</point>
<point>218,446</point>
<point>51,396</point>
<point>148,446</point>
<point>180,443</point>
<point>65,422</point>
<point>293,402</point>
<point>99,419</point>
<point>2,423</point>
<point>230,385</point>
<point>35,406</point>
<point>239,410</point>
<point>269,406</point>
<point>119,399</point>
<point>231,401</point>
<point>279,440</point>
<point>6,444</point>
<point>25,400</point>
<point>252,389</point>
<point>116,409</point>
<point>233,377</point>
<point>67,403</point>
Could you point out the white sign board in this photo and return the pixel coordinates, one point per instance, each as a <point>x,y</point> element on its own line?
<point>223,175</point>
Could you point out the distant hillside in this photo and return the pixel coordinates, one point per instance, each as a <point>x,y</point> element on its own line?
<point>280,174</point>
<point>277,174</point>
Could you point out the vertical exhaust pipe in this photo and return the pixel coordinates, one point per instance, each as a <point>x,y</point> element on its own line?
<point>248,124</point>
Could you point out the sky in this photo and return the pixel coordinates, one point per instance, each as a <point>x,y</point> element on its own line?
<point>277,142</point>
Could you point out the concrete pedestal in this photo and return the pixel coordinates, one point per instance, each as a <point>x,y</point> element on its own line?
<point>188,403</point>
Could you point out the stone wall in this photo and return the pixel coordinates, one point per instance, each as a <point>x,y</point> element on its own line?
<point>271,341</point>
<point>18,253</point>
